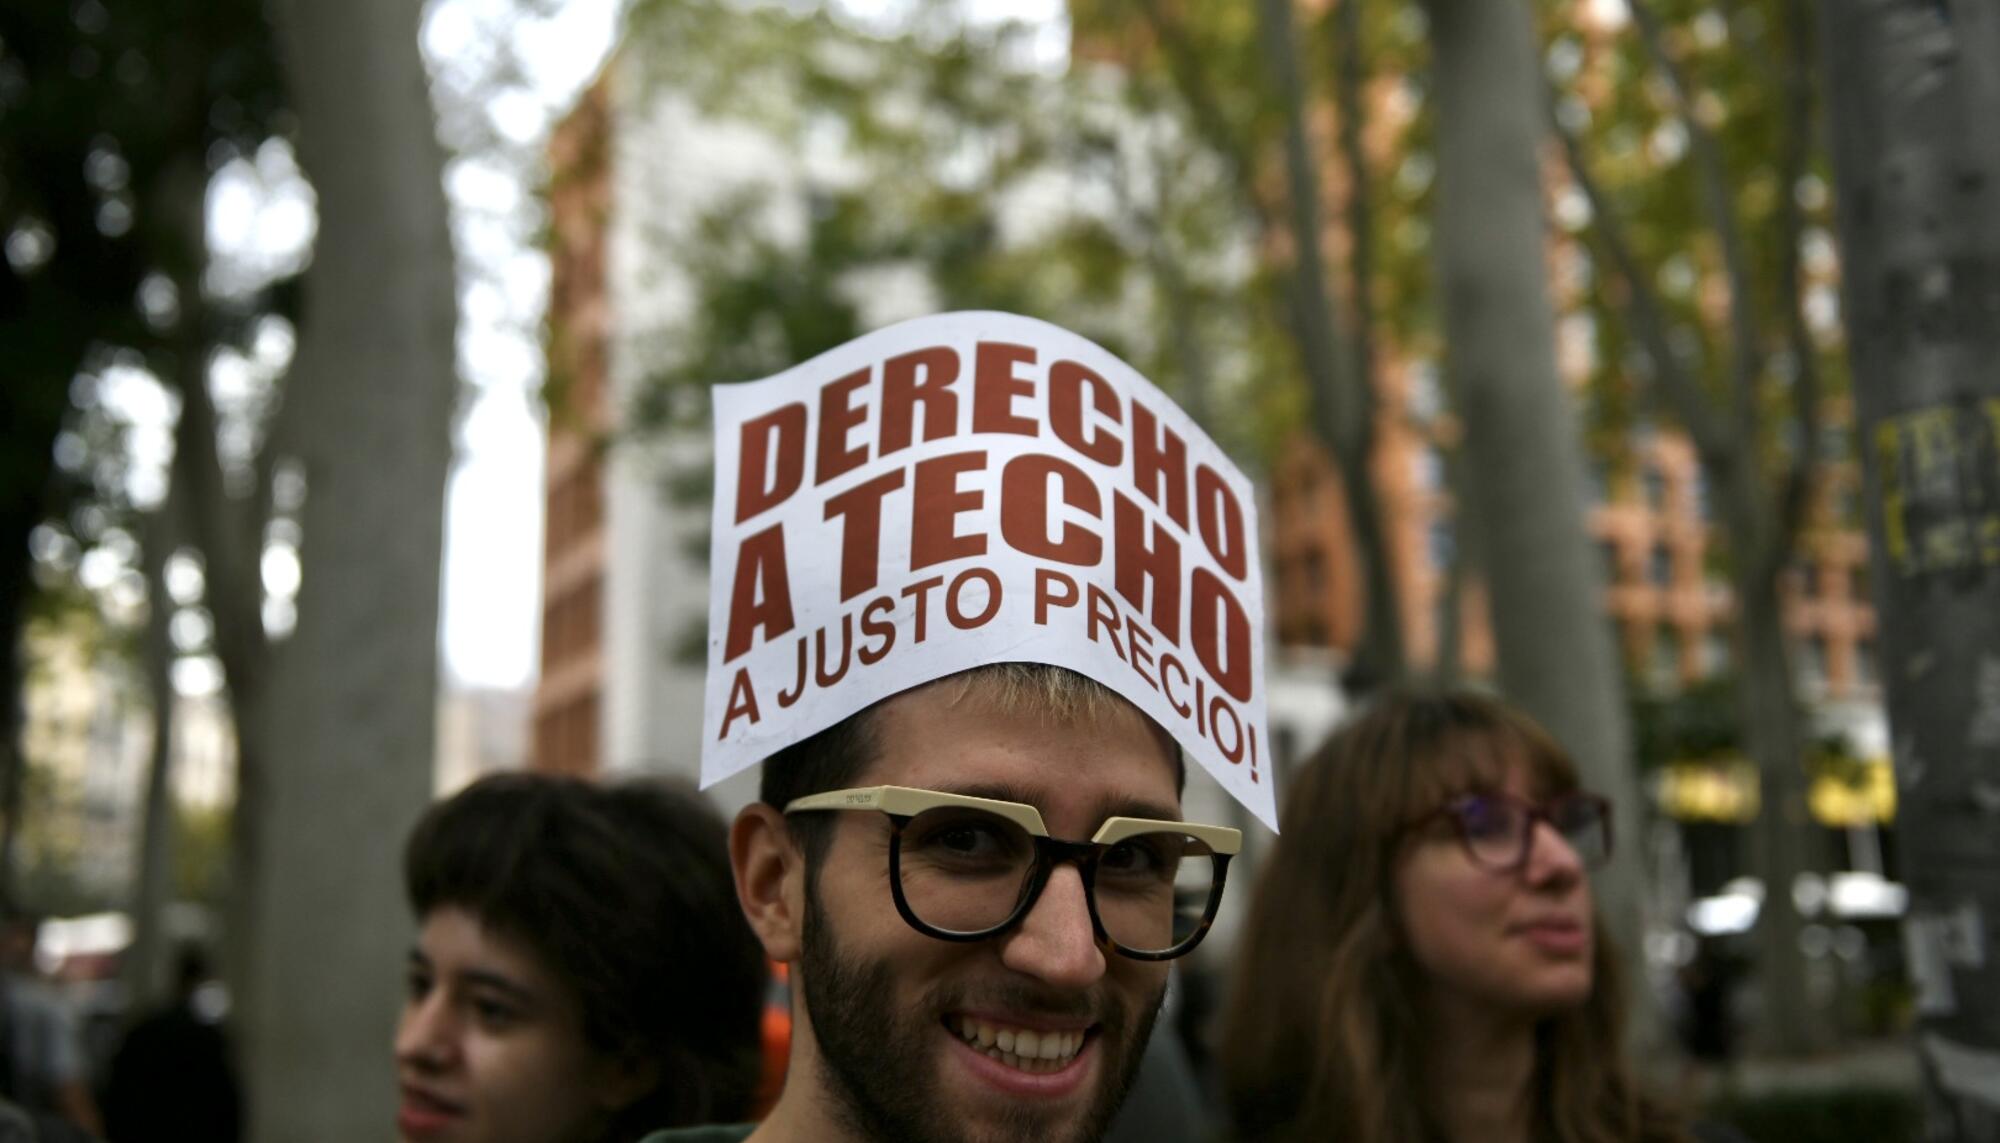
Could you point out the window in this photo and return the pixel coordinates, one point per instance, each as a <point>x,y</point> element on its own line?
<point>1846,506</point>
<point>1814,665</point>
<point>1597,481</point>
<point>1429,469</point>
<point>1715,653</point>
<point>1866,673</point>
<point>1426,399</point>
<point>1654,483</point>
<point>1666,665</point>
<point>1660,566</point>
<point>1443,546</point>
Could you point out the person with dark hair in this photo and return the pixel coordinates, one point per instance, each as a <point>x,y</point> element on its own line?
<point>172,1078</point>
<point>963,974</point>
<point>1423,959</point>
<point>581,972</point>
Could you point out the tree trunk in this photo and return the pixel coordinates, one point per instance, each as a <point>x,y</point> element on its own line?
<point>1915,121</point>
<point>1342,404</point>
<point>1523,460</point>
<point>144,969</point>
<point>354,688</point>
<point>1775,737</point>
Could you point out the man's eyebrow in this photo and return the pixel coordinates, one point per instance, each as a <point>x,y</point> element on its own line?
<point>1139,808</point>
<point>995,791</point>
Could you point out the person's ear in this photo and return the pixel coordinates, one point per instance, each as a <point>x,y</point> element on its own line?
<point>624,1080</point>
<point>770,879</point>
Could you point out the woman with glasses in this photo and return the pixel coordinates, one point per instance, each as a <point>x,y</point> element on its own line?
<point>1423,959</point>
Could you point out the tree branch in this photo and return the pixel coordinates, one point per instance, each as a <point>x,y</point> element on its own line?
<point>1351,72</point>
<point>1211,123</point>
<point>229,539</point>
<point>1747,358</point>
<point>1673,384</point>
<point>1797,132</point>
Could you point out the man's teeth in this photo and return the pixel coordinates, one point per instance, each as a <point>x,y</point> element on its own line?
<point>1021,1048</point>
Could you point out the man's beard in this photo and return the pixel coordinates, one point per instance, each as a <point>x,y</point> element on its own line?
<point>882,1064</point>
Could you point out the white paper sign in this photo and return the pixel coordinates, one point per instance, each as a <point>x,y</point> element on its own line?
<point>977,488</point>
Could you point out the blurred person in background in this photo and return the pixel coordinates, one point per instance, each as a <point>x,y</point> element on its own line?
<point>581,972</point>
<point>42,1071</point>
<point>172,1079</point>
<point>1423,960</point>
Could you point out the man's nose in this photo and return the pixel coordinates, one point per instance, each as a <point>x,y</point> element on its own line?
<point>1056,943</point>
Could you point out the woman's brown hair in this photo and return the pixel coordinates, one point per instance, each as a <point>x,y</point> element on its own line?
<point>1324,1035</point>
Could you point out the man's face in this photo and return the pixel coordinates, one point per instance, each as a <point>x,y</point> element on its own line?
<point>903,1020</point>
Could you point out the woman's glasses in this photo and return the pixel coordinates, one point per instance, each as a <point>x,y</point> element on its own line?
<point>963,868</point>
<point>1498,829</point>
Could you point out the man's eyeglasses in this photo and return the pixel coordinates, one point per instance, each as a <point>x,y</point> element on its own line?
<point>1499,829</point>
<point>965,869</point>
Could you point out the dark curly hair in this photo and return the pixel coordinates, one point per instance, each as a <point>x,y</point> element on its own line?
<point>625,893</point>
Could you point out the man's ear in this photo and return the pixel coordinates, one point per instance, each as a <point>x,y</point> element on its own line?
<point>770,879</point>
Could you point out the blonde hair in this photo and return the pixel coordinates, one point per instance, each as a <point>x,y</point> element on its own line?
<point>1324,1036</point>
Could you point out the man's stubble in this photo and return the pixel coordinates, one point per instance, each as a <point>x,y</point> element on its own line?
<point>881,1062</point>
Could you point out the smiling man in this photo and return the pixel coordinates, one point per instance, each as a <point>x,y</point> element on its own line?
<point>977,589</point>
<point>979,883</point>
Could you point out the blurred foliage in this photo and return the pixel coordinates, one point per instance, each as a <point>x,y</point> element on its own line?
<point>113,116</point>
<point>1206,65</point>
<point>52,848</point>
<point>1634,131</point>
<point>1834,757</point>
<point>935,170</point>
<point>201,853</point>
<point>103,104</point>
<point>1696,721</point>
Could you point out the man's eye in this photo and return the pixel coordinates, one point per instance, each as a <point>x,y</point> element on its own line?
<point>966,840</point>
<point>1132,858</point>
<point>418,984</point>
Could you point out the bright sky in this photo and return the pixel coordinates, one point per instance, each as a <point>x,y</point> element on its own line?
<point>492,573</point>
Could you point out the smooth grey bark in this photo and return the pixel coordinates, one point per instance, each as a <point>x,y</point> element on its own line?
<point>1760,515</point>
<point>1524,500</point>
<point>143,971</point>
<point>1915,125</point>
<point>352,693</point>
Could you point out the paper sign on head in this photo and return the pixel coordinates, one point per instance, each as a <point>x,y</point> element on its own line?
<point>975,488</point>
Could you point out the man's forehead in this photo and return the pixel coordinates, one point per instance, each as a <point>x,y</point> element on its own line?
<point>1109,761</point>
<point>1109,804</point>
